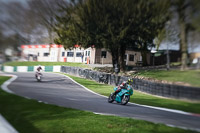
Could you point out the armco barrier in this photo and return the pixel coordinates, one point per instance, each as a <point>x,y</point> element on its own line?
<point>30,68</point>
<point>160,89</point>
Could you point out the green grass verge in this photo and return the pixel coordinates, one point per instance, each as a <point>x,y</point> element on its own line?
<point>30,116</point>
<point>29,63</point>
<point>190,76</point>
<point>141,98</point>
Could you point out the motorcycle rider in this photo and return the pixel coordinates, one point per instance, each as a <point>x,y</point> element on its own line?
<point>123,85</point>
<point>39,68</point>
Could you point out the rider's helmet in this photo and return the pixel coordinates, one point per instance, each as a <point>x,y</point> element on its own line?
<point>39,68</point>
<point>130,81</point>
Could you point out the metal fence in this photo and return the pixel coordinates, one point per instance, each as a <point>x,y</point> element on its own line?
<point>160,89</point>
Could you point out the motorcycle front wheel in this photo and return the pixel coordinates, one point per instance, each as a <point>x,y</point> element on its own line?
<point>125,99</point>
<point>111,98</point>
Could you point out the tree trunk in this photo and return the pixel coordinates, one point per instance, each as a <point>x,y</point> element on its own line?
<point>144,57</point>
<point>121,57</point>
<point>115,55</point>
<point>183,46</point>
<point>50,38</point>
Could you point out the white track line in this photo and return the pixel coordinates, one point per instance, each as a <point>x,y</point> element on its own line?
<point>185,128</point>
<point>5,126</point>
<point>147,106</point>
<point>82,85</point>
<point>5,84</point>
<point>163,109</point>
<point>158,108</point>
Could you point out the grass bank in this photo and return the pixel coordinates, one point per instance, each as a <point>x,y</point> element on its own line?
<point>141,98</point>
<point>29,63</point>
<point>29,116</point>
<point>191,77</point>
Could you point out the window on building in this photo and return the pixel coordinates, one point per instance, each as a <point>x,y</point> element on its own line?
<point>46,54</point>
<point>78,54</point>
<point>87,53</point>
<point>63,54</point>
<point>103,54</point>
<point>38,54</point>
<point>70,54</point>
<point>131,57</point>
<point>125,57</point>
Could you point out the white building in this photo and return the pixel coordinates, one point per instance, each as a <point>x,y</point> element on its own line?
<point>57,53</point>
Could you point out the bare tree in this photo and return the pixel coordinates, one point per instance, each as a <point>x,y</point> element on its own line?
<point>44,12</point>
<point>14,16</point>
<point>188,13</point>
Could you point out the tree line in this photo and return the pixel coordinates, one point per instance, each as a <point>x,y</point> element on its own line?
<point>120,25</point>
<point>112,24</point>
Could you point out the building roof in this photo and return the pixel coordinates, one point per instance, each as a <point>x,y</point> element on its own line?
<point>45,46</point>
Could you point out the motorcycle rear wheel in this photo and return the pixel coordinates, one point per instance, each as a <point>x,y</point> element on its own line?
<point>111,98</point>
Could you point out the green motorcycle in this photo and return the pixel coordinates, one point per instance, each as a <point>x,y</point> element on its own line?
<point>122,97</point>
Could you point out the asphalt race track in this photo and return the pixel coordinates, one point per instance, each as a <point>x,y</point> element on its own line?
<point>60,90</point>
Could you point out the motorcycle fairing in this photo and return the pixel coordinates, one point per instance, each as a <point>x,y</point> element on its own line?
<point>120,94</point>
